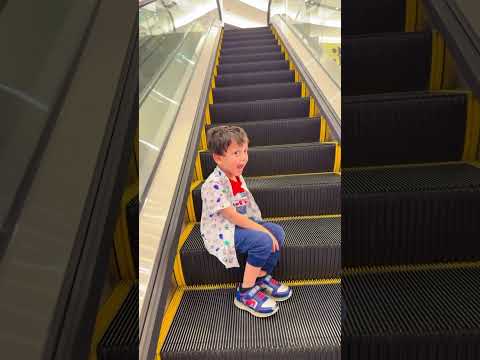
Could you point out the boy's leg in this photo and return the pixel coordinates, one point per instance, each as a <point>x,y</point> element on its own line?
<point>277,290</point>
<point>272,260</point>
<point>258,246</point>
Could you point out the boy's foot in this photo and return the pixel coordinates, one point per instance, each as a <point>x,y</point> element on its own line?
<point>255,302</point>
<point>276,290</point>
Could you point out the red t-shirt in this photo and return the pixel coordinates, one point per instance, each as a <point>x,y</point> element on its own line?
<point>240,199</point>
<point>236,186</point>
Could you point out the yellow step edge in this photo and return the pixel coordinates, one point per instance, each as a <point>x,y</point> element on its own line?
<point>198,166</point>
<point>411,165</point>
<point>468,127</point>
<point>438,54</point>
<point>177,265</point>
<point>287,282</point>
<point>106,314</point>
<point>323,129</point>
<point>338,155</point>
<point>196,183</point>
<point>409,268</point>
<point>168,318</point>
<point>410,15</point>
<point>306,217</point>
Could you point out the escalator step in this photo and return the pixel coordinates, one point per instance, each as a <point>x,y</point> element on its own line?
<point>268,65</point>
<point>427,314</point>
<point>247,36</point>
<point>257,92</point>
<point>282,159</point>
<point>411,215</point>
<point>205,316</point>
<point>250,50</point>
<point>312,251</point>
<point>255,78</point>
<point>248,43</point>
<point>281,131</point>
<point>385,63</point>
<point>403,128</point>
<point>373,16</point>
<point>290,195</point>
<point>259,110</point>
<point>120,341</point>
<point>268,56</point>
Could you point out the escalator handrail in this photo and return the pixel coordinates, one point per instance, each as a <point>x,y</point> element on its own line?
<point>461,39</point>
<point>159,285</point>
<point>328,113</point>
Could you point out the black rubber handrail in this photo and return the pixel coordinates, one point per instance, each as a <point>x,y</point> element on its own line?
<point>461,38</point>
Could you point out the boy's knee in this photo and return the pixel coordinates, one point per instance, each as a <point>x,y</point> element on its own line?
<point>279,233</point>
<point>263,243</point>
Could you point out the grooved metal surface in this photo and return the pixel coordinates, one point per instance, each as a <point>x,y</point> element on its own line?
<point>411,215</point>
<point>257,92</point>
<point>293,195</point>
<point>377,63</point>
<point>280,131</point>
<point>231,59</point>
<point>243,37</point>
<point>269,65</point>
<point>433,125</point>
<point>120,341</point>
<point>250,50</point>
<point>312,251</point>
<point>248,43</point>
<point>421,314</point>
<point>255,78</point>
<point>411,179</point>
<point>208,326</point>
<point>282,159</point>
<point>259,110</point>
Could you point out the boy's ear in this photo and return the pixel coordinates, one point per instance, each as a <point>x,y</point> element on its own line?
<point>217,158</point>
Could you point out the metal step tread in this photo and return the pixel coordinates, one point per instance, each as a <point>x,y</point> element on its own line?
<point>407,302</point>
<point>312,250</point>
<point>419,178</point>
<point>297,329</point>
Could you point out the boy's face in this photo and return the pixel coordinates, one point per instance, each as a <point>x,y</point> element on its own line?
<point>233,160</point>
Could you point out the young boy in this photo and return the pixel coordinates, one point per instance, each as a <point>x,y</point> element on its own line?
<point>231,222</point>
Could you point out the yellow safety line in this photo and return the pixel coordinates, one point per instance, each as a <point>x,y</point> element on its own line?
<point>198,167</point>
<point>323,130</point>
<point>338,152</point>
<point>123,252</point>
<point>279,176</point>
<point>411,15</point>
<point>168,318</point>
<point>475,129</point>
<point>288,282</point>
<point>253,147</point>
<point>203,139</point>
<point>468,127</point>
<point>438,48</point>
<point>106,314</point>
<point>207,115</point>
<point>177,266</point>
<point>311,112</point>
<point>409,268</point>
<point>308,217</point>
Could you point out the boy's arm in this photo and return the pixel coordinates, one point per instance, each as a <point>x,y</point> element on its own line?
<point>241,220</point>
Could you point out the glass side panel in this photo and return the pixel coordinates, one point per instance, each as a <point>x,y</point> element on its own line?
<point>176,41</point>
<point>318,24</point>
<point>39,42</point>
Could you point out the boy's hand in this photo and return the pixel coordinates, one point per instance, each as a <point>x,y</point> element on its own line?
<point>275,246</point>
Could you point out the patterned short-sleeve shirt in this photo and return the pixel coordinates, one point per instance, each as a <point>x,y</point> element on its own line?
<point>218,232</point>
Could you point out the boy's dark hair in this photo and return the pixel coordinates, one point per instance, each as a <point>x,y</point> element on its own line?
<point>219,138</point>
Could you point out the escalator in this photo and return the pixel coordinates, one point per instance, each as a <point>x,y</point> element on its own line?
<point>293,173</point>
<point>411,191</point>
